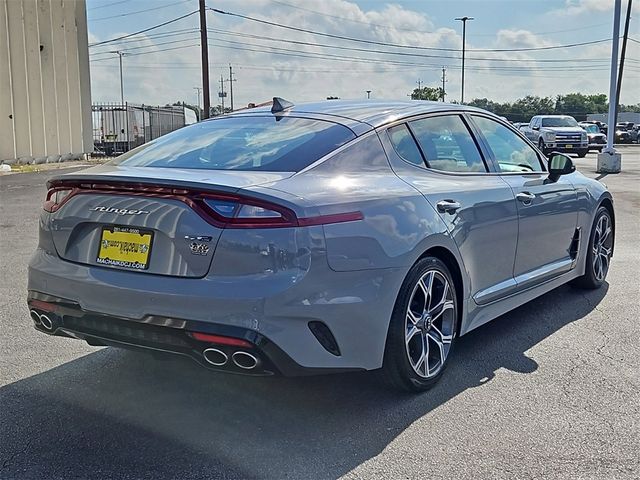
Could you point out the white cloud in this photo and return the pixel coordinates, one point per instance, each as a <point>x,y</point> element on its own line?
<point>168,76</point>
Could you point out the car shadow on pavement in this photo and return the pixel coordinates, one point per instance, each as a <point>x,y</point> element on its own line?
<point>120,414</point>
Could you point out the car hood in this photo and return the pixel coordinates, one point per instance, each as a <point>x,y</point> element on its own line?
<point>567,130</point>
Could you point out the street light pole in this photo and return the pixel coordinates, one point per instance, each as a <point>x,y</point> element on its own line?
<point>368,94</point>
<point>464,40</point>
<point>120,55</point>
<point>609,160</point>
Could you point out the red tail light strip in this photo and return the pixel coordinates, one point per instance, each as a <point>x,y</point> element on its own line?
<point>220,340</point>
<point>195,200</point>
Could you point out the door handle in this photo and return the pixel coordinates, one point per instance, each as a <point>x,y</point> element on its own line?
<point>447,206</point>
<point>525,197</point>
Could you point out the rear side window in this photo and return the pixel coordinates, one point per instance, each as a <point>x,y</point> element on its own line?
<point>447,144</point>
<point>405,145</point>
<point>286,144</point>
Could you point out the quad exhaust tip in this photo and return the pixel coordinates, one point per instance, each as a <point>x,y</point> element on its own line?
<point>244,360</point>
<point>215,357</point>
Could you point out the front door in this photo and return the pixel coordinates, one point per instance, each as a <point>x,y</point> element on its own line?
<point>547,211</point>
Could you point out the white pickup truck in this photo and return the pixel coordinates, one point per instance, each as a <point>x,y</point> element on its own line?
<point>557,133</point>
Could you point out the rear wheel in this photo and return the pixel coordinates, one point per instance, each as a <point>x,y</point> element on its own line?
<point>599,251</point>
<point>422,329</point>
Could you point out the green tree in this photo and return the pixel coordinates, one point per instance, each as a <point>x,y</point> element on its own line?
<point>579,105</point>
<point>427,93</point>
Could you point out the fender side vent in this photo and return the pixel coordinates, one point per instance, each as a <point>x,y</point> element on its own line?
<point>325,337</point>
<point>574,248</point>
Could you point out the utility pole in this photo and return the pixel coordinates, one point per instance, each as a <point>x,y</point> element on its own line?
<point>464,41</point>
<point>419,82</point>
<point>623,54</point>
<point>444,80</point>
<point>368,94</point>
<point>204,51</point>
<point>120,54</point>
<point>231,80</point>
<point>222,93</point>
<point>199,90</point>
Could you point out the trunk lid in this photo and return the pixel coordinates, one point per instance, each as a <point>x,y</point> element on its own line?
<point>142,218</point>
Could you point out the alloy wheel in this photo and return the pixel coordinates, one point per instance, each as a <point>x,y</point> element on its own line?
<point>429,324</point>
<point>602,247</point>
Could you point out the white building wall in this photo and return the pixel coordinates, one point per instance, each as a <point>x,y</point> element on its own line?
<point>45,97</point>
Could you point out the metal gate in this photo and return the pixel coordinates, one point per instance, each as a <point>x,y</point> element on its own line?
<point>118,128</point>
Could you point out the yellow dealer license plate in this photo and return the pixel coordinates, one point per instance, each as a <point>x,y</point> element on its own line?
<point>569,146</point>
<point>125,247</point>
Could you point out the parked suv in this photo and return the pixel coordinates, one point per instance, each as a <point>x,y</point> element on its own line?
<point>597,139</point>
<point>558,133</point>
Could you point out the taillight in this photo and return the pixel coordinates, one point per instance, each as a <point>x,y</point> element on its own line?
<point>223,210</point>
<point>248,213</point>
<point>56,197</point>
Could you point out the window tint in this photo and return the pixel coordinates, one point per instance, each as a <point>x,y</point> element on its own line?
<point>405,145</point>
<point>511,152</point>
<point>287,144</point>
<point>559,122</point>
<point>447,144</point>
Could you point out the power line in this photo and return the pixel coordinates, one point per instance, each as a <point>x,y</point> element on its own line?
<point>128,49</point>
<point>343,58</point>
<point>107,5</point>
<point>143,31</point>
<point>149,53</point>
<point>136,12</point>
<point>414,47</point>
<point>404,54</point>
<point>390,27</point>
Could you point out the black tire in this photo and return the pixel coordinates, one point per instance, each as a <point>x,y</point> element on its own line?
<point>397,371</point>
<point>583,153</point>
<point>541,146</point>
<point>592,278</point>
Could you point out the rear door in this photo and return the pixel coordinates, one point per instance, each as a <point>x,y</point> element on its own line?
<point>478,208</point>
<point>547,211</point>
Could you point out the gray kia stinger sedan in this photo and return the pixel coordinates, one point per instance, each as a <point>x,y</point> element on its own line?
<point>316,238</point>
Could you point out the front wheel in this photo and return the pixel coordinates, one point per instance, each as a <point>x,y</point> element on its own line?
<point>422,329</point>
<point>583,153</point>
<point>541,145</point>
<point>599,251</point>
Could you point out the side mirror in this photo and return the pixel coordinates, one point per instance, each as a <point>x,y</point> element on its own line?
<point>535,127</point>
<point>560,164</point>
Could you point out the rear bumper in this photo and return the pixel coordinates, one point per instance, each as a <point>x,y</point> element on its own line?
<point>166,335</point>
<point>274,312</point>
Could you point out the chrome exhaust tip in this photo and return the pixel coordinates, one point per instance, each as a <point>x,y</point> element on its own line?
<point>244,360</point>
<point>46,322</point>
<point>35,316</point>
<point>215,357</point>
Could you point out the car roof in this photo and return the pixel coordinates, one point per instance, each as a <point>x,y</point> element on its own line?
<point>372,113</point>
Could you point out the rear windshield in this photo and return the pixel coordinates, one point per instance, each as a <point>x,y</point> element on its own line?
<point>559,122</point>
<point>265,143</point>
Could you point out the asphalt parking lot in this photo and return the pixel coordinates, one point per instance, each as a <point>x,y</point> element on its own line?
<point>551,390</point>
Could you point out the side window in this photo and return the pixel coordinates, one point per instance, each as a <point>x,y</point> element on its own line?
<point>447,144</point>
<point>511,152</point>
<point>405,145</point>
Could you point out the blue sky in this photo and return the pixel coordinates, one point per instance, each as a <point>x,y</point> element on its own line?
<point>163,65</point>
